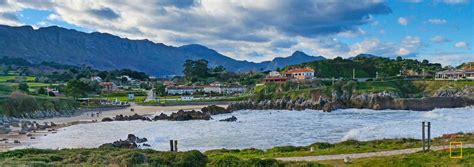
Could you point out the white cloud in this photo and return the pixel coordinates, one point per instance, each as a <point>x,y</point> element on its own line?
<point>454,2</point>
<point>403,21</point>
<point>411,42</point>
<point>54,17</point>
<point>403,52</point>
<point>437,21</point>
<point>439,39</point>
<point>462,44</point>
<point>352,33</point>
<point>448,58</point>
<point>408,46</point>
<point>233,27</point>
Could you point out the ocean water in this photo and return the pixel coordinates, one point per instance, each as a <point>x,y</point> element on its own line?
<point>264,129</point>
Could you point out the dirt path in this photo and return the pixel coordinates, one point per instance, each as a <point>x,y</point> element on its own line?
<point>365,155</point>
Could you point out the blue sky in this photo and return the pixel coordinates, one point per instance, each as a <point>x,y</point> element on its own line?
<point>440,31</point>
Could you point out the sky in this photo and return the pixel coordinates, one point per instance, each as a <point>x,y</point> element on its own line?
<point>441,31</point>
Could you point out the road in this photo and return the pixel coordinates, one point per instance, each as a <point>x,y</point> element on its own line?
<point>366,155</point>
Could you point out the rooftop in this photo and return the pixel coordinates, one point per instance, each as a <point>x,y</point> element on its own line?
<point>300,70</point>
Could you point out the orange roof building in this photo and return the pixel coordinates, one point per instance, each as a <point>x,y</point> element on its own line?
<point>302,73</point>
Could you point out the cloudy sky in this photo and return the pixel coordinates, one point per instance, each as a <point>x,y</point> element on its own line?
<point>257,30</point>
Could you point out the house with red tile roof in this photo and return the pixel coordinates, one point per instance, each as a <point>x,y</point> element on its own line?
<point>300,73</point>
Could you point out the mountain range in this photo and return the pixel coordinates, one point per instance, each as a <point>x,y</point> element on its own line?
<point>105,51</point>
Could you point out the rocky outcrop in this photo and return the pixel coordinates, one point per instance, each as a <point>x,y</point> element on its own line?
<point>215,110</point>
<point>279,104</point>
<point>376,101</point>
<point>131,117</point>
<point>182,115</point>
<point>131,142</point>
<point>467,91</point>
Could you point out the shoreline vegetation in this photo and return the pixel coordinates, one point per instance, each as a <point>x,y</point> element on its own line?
<point>246,157</point>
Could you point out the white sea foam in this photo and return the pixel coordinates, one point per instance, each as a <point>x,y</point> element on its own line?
<point>266,129</point>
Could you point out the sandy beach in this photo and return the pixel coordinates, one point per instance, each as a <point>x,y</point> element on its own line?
<point>7,140</point>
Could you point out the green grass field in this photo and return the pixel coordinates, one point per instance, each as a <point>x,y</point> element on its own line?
<point>432,158</point>
<point>350,146</point>
<point>245,157</point>
<point>125,98</point>
<point>7,78</point>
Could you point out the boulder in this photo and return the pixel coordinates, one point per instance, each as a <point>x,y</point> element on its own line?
<point>214,110</point>
<point>162,116</point>
<point>230,119</point>
<point>107,119</point>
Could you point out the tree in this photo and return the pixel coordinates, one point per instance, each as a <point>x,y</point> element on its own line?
<point>195,70</point>
<point>24,87</point>
<point>219,69</point>
<point>42,91</point>
<point>160,89</point>
<point>399,58</point>
<point>76,88</point>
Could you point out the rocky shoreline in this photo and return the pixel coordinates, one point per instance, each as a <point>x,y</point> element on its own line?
<point>376,101</point>
<point>181,115</point>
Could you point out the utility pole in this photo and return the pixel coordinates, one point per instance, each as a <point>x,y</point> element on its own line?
<point>423,73</point>
<point>426,145</point>
<point>353,73</point>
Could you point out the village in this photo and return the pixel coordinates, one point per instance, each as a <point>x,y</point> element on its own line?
<point>220,91</point>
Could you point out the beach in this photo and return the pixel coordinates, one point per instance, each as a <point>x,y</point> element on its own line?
<point>7,140</point>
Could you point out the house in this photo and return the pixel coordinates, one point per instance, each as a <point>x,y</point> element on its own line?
<point>233,89</point>
<point>275,76</point>
<point>53,91</point>
<point>96,78</point>
<point>469,73</point>
<point>452,74</point>
<point>212,89</point>
<point>224,89</point>
<point>169,83</point>
<point>300,74</point>
<point>181,90</point>
<point>129,79</point>
<point>108,86</point>
<point>216,83</point>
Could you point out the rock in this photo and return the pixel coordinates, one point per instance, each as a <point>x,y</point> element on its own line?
<point>131,142</point>
<point>146,145</point>
<point>231,119</point>
<point>347,160</point>
<point>162,116</point>
<point>107,119</point>
<point>182,115</point>
<point>16,141</point>
<point>53,124</point>
<point>29,135</point>
<point>131,118</point>
<point>214,110</point>
<point>32,137</point>
<point>135,139</point>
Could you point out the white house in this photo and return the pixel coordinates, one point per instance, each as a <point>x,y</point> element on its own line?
<point>454,74</point>
<point>305,73</point>
<point>181,90</point>
<point>96,78</point>
<point>274,74</point>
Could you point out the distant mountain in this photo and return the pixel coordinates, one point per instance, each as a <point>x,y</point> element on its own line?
<point>297,57</point>
<point>105,51</point>
<point>363,55</point>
